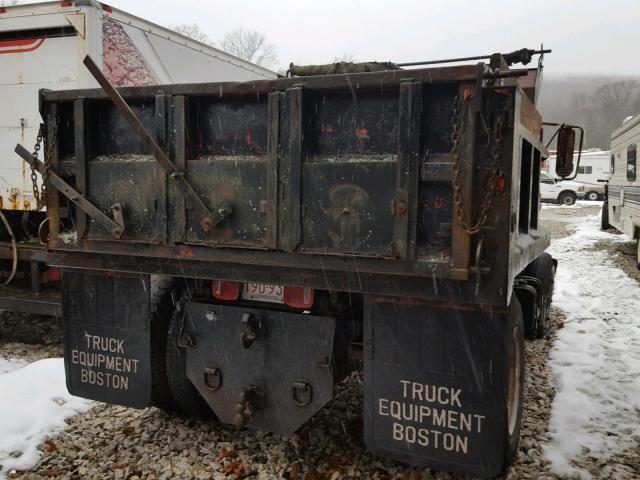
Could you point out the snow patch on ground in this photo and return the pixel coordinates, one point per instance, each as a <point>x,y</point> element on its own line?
<point>578,204</point>
<point>33,405</point>
<point>10,364</point>
<point>596,357</point>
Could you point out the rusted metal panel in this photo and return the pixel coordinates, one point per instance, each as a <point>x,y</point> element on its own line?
<point>255,89</point>
<point>135,182</point>
<point>295,348</point>
<point>351,161</point>
<point>351,167</point>
<point>530,117</point>
<point>343,213</point>
<point>228,164</point>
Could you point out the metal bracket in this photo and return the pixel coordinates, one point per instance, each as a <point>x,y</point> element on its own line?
<point>212,378</point>
<point>115,227</point>
<point>302,393</point>
<point>254,330</point>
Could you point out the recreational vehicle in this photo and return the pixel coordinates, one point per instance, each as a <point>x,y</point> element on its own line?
<point>622,206</point>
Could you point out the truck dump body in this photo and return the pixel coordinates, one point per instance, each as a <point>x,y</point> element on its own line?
<point>346,178</point>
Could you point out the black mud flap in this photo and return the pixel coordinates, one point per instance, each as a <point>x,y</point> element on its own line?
<point>435,386</point>
<point>106,338</point>
<point>279,362</point>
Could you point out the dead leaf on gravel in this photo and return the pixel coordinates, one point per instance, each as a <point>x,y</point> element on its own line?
<point>227,454</point>
<point>294,471</point>
<point>234,468</point>
<point>52,472</point>
<point>128,430</point>
<point>411,475</point>
<point>50,447</point>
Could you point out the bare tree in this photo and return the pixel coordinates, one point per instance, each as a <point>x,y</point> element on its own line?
<point>345,58</point>
<point>597,103</point>
<point>617,99</point>
<point>250,45</point>
<point>194,31</point>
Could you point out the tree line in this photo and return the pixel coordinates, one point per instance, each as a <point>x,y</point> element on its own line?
<point>597,103</point>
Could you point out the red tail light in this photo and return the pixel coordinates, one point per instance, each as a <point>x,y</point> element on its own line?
<point>298,297</point>
<point>66,4</point>
<point>223,290</point>
<point>53,275</point>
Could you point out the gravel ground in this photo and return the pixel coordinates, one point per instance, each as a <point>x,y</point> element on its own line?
<point>121,443</point>
<point>30,337</point>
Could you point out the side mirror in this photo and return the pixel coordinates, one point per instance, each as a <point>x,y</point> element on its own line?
<point>566,147</point>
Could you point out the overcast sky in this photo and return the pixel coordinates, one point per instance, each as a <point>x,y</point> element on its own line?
<point>587,36</point>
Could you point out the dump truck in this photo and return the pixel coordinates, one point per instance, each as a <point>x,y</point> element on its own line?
<point>235,249</point>
<point>42,45</point>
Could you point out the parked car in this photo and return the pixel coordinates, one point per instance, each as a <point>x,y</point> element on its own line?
<point>593,171</point>
<point>565,192</point>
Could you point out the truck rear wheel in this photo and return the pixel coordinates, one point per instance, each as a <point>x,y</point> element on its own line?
<point>544,269</point>
<point>184,393</point>
<point>514,347</point>
<point>165,291</point>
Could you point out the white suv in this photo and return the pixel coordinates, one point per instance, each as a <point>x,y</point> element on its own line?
<point>565,192</point>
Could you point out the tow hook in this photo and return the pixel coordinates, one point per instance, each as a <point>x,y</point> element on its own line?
<point>212,378</point>
<point>254,331</point>
<point>251,400</point>
<point>302,393</point>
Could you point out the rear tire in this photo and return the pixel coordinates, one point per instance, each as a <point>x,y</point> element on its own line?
<point>185,394</point>
<point>514,392</point>
<point>638,253</point>
<point>544,269</point>
<point>604,216</point>
<point>592,196</point>
<point>164,293</point>
<point>567,198</point>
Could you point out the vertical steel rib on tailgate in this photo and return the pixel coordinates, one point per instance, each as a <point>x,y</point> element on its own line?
<point>221,210</point>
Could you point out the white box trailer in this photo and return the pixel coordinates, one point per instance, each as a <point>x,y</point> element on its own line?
<point>622,206</point>
<point>42,45</point>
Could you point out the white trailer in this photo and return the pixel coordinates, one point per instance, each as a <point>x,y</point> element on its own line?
<point>42,45</point>
<point>593,171</point>
<point>622,206</point>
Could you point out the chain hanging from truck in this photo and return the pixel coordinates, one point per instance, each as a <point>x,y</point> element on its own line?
<point>496,151</point>
<point>40,193</point>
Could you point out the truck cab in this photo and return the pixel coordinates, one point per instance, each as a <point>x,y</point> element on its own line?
<point>564,192</point>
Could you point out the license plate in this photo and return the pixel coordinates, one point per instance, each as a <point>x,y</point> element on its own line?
<point>262,292</point>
